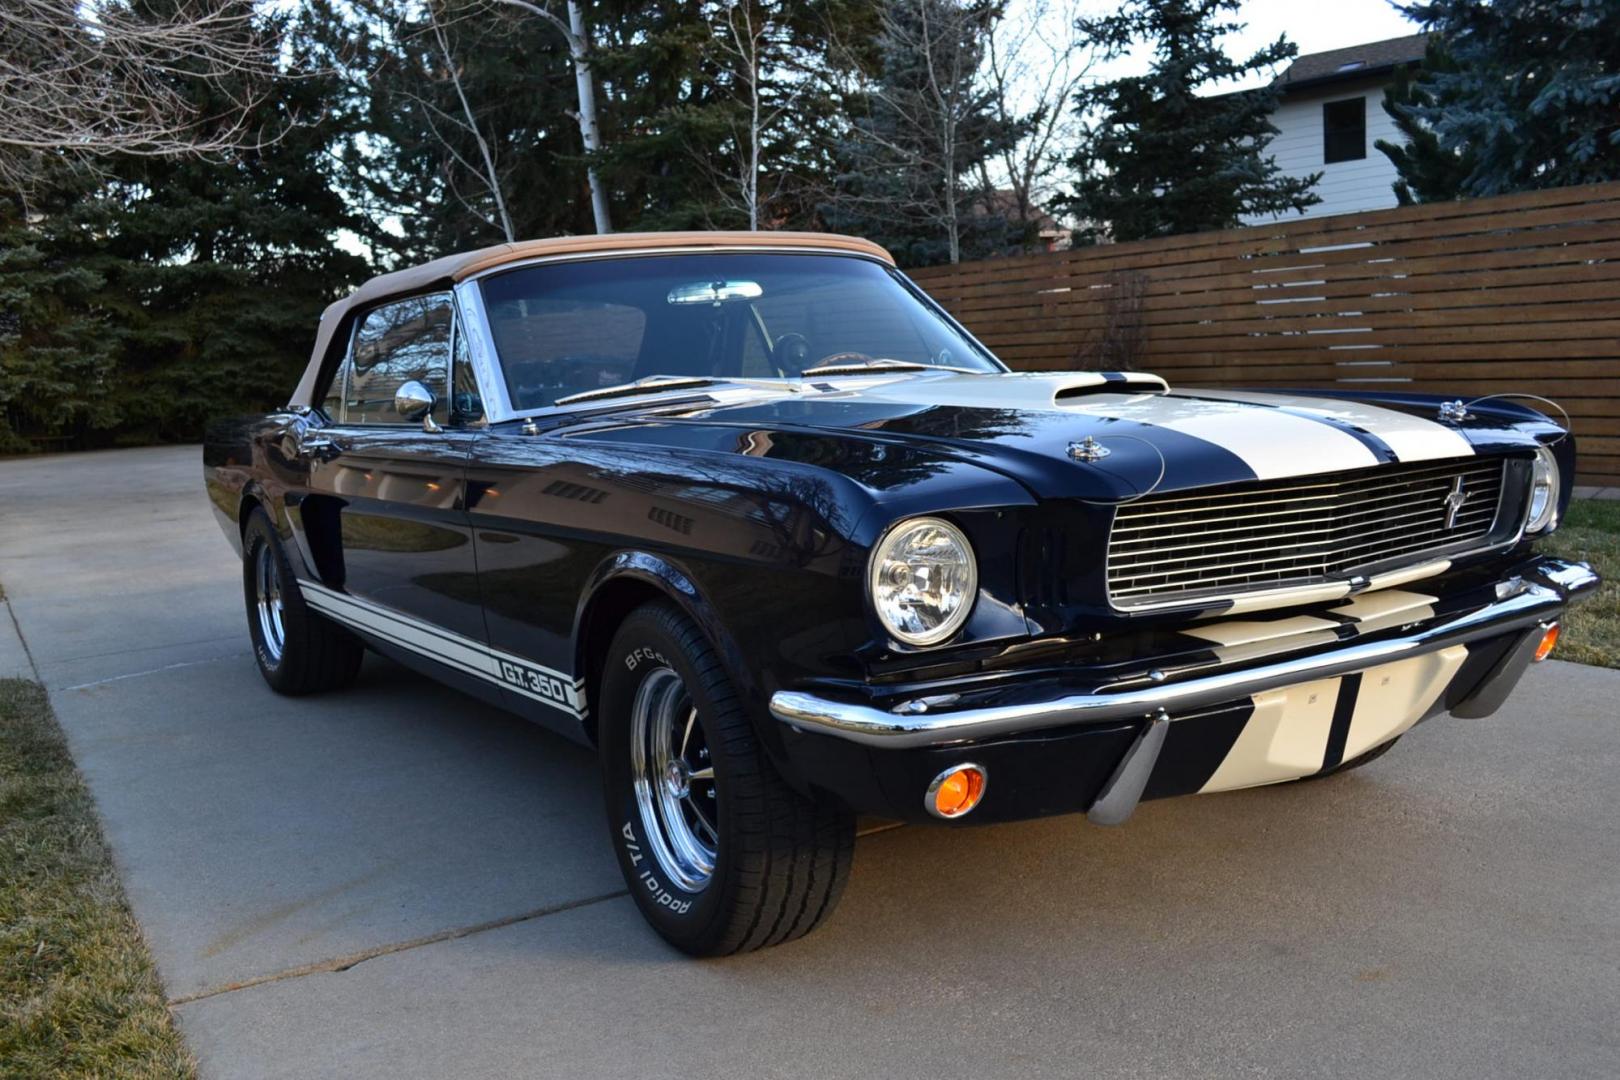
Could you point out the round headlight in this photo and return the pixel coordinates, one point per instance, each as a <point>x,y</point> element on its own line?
<point>923,580</point>
<point>1543,492</point>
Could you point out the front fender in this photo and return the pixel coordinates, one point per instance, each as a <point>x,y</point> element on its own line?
<point>629,578</point>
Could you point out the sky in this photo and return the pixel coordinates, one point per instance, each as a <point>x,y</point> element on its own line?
<point>1313,25</point>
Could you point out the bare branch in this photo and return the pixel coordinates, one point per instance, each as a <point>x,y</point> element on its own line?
<point>85,79</point>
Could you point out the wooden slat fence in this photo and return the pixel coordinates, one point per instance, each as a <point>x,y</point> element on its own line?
<point>1466,298</point>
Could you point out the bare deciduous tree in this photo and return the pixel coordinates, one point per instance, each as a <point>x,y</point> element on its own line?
<point>469,123</point>
<point>1035,68</point>
<point>579,47</point>
<point>931,116</point>
<point>83,79</point>
<point>751,40</point>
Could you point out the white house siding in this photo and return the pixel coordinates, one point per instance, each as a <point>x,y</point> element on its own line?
<point>1346,186</point>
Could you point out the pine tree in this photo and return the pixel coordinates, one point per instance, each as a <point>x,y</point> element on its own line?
<point>1164,159</point>
<point>1533,96</point>
<point>1428,171</point>
<point>218,270</point>
<point>56,350</point>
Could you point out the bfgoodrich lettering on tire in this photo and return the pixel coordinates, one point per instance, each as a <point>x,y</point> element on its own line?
<point>298,650</point>
<point>719,853</point>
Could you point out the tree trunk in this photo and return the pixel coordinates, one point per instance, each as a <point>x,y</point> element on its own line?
<point>588,132</point>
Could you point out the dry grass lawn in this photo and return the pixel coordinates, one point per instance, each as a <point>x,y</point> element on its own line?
<point>79,996</point>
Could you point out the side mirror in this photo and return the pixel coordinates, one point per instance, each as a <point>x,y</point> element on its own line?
<point>413,401</point>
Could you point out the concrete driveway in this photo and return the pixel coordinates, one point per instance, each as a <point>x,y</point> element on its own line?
<point>397,882</point>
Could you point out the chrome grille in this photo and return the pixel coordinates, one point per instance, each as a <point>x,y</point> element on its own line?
<point>1248,537</point>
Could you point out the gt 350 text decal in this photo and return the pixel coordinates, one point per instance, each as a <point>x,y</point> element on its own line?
<point>516,673</point>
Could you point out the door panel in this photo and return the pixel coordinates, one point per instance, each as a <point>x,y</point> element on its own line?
<point>386,523</point>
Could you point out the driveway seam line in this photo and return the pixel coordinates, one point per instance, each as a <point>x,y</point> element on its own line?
<point>344,963</point>
<point>153,671</point>
<point>17,626</point>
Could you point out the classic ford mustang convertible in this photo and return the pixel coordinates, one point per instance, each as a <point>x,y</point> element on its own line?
<point>757,519</point>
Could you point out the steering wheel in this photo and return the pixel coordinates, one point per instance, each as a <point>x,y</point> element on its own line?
<point>791,353</point>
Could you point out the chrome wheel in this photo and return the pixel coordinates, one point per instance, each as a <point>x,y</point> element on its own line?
<point>674,780</point>
<point>267,599</point>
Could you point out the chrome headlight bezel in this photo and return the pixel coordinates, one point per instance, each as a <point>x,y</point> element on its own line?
<point>1541,510</point>
<point>883,552</point>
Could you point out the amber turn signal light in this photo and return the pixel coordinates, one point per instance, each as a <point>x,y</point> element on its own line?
<point>1549,638</point>
<point>956,791</point>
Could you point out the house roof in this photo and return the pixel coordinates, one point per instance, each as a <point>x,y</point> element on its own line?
<point>1353,62</point>
<point>450,269</point>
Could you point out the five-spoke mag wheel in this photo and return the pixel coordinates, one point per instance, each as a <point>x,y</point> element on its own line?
<point>720,853</point>
<point>674,779</point>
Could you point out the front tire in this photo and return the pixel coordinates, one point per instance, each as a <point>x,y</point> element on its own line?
<point>299,651</point>
<point>720,854</point>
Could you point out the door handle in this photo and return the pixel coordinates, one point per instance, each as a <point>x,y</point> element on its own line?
<point>319,447</point>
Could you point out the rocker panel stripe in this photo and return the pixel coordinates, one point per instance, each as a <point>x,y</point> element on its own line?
<point>518,674</point>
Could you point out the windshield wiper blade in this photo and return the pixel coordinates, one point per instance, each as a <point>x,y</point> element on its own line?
<point>866,365</point>
<point>652,384</point>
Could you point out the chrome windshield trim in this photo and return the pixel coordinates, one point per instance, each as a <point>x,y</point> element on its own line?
<point>481,348</point>
<point>1521,603</point>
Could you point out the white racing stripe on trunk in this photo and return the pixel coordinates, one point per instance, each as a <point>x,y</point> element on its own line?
<point>518,674</point>
<point>1412,438</point>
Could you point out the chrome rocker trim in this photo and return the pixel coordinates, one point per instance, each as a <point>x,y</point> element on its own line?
<point>1521,603</point>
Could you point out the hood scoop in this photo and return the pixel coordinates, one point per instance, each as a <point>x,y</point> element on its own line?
<point>1023,390</point>
<point>1113,382</point>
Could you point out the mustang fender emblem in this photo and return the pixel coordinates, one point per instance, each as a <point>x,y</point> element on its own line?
<point>1454,502</point>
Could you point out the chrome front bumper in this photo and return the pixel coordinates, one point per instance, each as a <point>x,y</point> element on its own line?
<point>1538,595</point>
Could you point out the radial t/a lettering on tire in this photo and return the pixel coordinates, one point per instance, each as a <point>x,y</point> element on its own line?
<point>720,854</point>
<point>299,651</point>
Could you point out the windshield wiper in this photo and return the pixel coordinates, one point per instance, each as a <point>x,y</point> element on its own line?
<point>866,365</point>
<point>652,384</point>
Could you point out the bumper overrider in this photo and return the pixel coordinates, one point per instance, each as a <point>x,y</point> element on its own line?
<point>1048,746</point>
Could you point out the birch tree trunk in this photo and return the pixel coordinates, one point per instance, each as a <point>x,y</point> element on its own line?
<point>579,48</point>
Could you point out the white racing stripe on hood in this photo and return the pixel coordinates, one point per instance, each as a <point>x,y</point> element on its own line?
<point>1273,443</point>
<point>1412,438</point>
<point>1015,390</point>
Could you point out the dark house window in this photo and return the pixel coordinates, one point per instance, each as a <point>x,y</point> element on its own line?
<point>1344,130</point>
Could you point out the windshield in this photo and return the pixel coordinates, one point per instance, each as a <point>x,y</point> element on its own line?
<point>567,328</point>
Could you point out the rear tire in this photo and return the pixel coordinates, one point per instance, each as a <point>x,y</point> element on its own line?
<point>720,854</point>
<point>298,650</point>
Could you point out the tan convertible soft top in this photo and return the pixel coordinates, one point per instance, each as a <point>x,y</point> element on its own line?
<point>458,267</point>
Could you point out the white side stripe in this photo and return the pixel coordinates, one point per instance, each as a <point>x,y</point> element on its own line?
<point>515,673</point>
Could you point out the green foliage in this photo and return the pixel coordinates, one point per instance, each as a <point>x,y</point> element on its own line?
<point>56,349</point>
<point>1532,96</point>
<point>1165,159</point>
<point>165,292</point>
<point>1429,172</point>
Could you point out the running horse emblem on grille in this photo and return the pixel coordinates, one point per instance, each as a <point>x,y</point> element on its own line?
<point>1454,502</point>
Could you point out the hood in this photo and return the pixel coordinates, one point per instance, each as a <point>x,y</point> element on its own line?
<point>1143,437</point>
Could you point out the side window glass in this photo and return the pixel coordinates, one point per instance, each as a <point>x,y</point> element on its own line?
<point>333,404</point>
<point>466,406</point>
<point>395,343</point>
